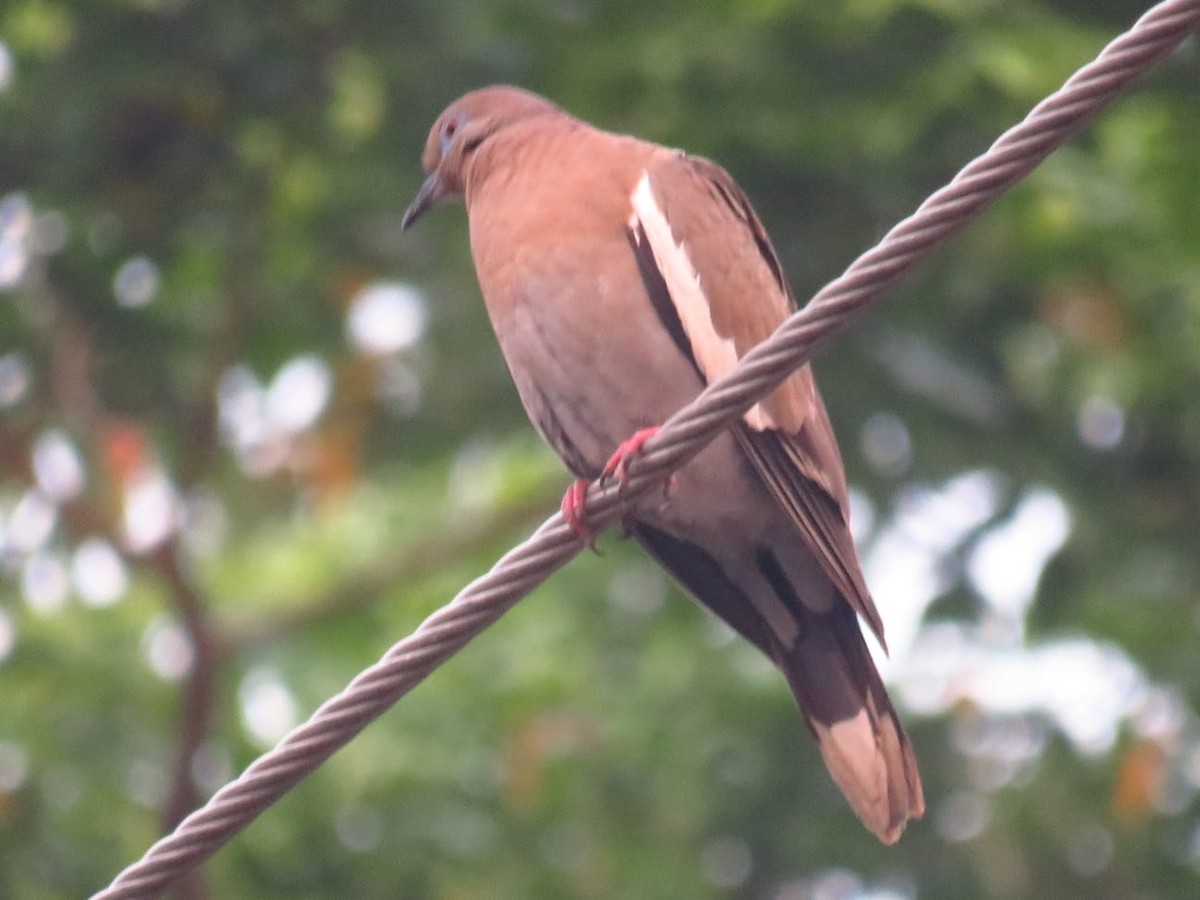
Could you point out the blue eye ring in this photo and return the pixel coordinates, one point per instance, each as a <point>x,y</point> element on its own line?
<point>449,132</point>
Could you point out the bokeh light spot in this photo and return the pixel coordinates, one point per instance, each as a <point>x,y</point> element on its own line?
<point>836,884</point>
<point>151,510</point>
<point>1100,423</point>
<point>268,705</point>
<point>241,408</point>
<point>167,649</point>
<point>98,573</point>
<point>31,523</point>
<point>14,379</point>
<point>962,816</point>
<point>212,766</point>
<point>45,583</point>
<point>299,393</point>
<point>386,317</point>
<point>16,221</point>
<point>1008,561</point>
<point>136,282</point>
<point>57,465</point>
<point>886,444</point>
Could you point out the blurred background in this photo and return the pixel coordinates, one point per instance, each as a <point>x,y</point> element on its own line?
<point>251,434</point>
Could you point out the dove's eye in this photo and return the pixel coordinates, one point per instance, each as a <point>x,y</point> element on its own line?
<point>450,129</point>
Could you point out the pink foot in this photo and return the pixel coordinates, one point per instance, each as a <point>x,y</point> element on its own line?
<point>573,501</point>
<point>573,511</point>
<point>618,464</point>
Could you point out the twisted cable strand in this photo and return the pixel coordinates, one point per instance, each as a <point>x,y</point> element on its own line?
<point>832,310</point>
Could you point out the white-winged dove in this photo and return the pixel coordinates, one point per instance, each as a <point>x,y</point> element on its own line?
<point>620,278</point>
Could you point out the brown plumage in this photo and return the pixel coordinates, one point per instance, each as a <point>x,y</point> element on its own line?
<point>620,278</point>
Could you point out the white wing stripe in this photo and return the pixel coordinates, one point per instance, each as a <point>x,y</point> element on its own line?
<point>714,354</point>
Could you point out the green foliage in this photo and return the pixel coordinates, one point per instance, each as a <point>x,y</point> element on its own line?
<point>195,202</point>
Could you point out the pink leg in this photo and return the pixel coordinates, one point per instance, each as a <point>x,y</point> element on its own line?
<point>573,500</point>
<point>618,463</point>
<point>573,511</point>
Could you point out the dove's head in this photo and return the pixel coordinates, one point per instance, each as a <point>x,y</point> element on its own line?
<point>460,131</point>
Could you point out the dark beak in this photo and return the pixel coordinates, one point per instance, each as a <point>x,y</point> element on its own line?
<point>430,193</point>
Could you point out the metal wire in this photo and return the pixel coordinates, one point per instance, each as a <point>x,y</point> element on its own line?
<point>830,312</point>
